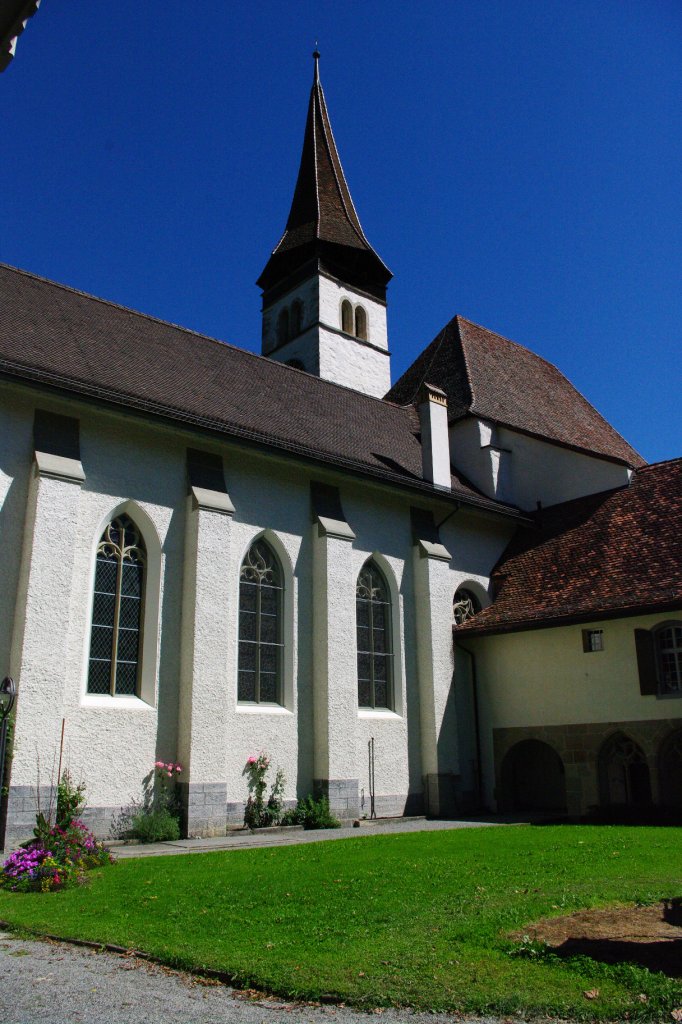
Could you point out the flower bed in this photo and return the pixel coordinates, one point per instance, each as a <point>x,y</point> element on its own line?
<point>57,859</point>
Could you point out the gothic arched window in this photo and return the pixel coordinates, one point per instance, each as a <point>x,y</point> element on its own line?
<point>375,647</point>
<point>283,326</point>
<point>296,321</point>
<point>360,323</point>
<point>346,317</point>
<point>115,638</point>
<point>260,627</point>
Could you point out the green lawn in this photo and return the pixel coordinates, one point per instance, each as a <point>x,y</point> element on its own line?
<point>414,919</point>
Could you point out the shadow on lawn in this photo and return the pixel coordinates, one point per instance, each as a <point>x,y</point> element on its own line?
<point>665,956</point>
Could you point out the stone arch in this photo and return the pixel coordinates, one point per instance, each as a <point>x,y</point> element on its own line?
<point>283,326</point>
<point>532,778</point>
<point>670,770</point>
<point>361,323</point>
<point>296,318</point>
<point>623,773</point>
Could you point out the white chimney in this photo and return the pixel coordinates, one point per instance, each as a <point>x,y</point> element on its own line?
<point>433,417</point>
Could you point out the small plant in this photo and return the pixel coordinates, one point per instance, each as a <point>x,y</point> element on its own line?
<point>70,799</point>
<point>156,818</point>
<point>311,813</point>
<point>258,813</point>
<point>155,826</point>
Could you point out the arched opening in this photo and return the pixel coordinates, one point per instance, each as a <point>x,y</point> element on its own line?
<point>360,323</point>
<point>374,638</point>
<point>623,773</point>
<point>118,600</point>
<point>346,317</point>
<point>465,605</point>
<point>296,323</point>
<point>261,634</point>
<point>670,770</point>
<point>283,326</point>
<point>532,778</point>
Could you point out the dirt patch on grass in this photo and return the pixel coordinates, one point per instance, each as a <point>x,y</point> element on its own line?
<point>650,936</point>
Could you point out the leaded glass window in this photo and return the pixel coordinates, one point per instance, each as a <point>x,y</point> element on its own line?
<point>669,654</point>
<point>464,606</point>
<point>375,650</point>
<point>260,627</point>
<point>115,638</point>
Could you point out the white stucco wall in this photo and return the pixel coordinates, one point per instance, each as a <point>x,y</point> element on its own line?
<point>322,348</point>
<point>523,470</point>
<point>112,743</point>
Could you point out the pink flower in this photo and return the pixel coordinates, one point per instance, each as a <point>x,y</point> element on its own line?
<point>251,760</point>
<point>159,764</point>
<point>178,767</point>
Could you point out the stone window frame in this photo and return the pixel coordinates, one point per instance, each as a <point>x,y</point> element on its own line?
<point>261,577</point>
<point>353,319</point>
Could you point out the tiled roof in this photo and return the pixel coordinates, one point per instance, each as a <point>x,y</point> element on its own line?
<point>487,376</point>
<point>618,552</point>
<point>69,340</point>
<point>14,14</point>
<point>323,223</point>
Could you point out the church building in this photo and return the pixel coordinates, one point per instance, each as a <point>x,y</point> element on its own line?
<point>455,592</point>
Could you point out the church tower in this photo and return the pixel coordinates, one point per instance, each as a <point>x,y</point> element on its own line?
<point>324,287</point>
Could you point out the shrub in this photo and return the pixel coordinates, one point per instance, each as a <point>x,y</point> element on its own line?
<point>70,799</point>
<point>258,813</point>
<point>311,813</point>
<point>154,826</point>
<point>156,818</point>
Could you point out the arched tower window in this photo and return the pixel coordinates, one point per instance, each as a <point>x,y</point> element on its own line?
<point>283,326</point>
<point>296,324</point>
<point>465,604</point>
<point>346,317</point>
<point>261,587</point>
<point>115,638</point>
<point>375,646</point>
<point>360,323</point>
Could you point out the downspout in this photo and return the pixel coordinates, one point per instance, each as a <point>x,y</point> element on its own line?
<point>477,729</point>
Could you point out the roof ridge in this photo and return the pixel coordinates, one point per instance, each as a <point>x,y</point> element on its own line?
<point>326,122</point>
<point>457,318</point>
<point>554,367</point>
<point>196,334</point>
<point>657,465</point>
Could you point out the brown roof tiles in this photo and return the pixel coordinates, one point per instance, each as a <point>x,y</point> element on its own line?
<point>487,376</point>
<point>69,340</point>
<point>609,554</point>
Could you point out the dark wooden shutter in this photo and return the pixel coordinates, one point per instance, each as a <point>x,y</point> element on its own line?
<point>646,662</point>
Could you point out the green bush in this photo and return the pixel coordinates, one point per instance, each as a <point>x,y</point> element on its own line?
<point>154,826</point>
<point>311,813</point>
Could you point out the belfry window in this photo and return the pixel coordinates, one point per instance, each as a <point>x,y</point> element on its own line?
<point>115,638</point>
<point>360,323</point>
<point>346,317</point>
<point>296,321</point>
<point>260,627</point>
<point>283,326</point>
<point>375,648</point>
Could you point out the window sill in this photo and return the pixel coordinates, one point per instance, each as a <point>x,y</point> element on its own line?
<point>101,700</point>
<point>262,709</point>
<point>385,713</point>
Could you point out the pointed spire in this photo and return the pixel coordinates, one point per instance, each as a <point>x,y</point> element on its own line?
<point>323,223</point>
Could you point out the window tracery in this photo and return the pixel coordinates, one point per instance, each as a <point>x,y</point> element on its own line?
<point>260,627</point>
<point>374,641</point>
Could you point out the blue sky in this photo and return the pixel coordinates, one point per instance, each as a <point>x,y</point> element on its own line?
<point>517,162</point>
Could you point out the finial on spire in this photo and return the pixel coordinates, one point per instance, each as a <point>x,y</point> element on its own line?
<point>316,58</point>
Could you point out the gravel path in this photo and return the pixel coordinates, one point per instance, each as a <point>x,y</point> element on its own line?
<point>43,982</point>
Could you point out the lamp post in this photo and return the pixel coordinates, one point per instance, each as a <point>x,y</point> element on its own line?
<point>7,694</point>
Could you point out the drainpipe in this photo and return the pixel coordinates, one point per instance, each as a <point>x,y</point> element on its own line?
<point>477,729</point>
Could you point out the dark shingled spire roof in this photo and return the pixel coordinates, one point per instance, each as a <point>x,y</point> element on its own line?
<point>488,376</point>
<point>323,224</point>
